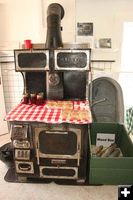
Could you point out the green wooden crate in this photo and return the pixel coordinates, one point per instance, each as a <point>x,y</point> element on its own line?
<point>111,171</point>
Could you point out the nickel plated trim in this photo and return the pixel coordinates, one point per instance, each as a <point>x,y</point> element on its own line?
<point>46,68</point>
<point>59,177</point>
<point>86,68</point>
<point>43,155</point>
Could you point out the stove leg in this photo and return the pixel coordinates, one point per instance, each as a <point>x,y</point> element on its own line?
<point>80,181</point>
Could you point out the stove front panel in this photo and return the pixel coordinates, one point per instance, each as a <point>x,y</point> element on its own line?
<point>51,151</point>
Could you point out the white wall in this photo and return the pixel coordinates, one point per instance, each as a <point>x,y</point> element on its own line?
<point>26,19</point>
<point>108,17</point>
<point>20,19</point>
<point>12,85</point>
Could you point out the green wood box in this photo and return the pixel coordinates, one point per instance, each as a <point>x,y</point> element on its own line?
<point>111,171</point>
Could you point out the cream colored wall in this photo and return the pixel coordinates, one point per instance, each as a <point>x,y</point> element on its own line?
<point>26,19</point>
<point>108,17</point>
<point>20,19</point>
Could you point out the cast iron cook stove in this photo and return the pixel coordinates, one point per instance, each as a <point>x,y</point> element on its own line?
<point>50,141</point>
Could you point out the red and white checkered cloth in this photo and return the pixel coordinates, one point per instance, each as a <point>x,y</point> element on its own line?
<point>42,113</point>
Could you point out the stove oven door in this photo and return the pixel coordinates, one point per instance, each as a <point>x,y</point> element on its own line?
<point>58,147</point>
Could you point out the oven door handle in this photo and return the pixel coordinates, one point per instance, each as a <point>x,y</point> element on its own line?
<point>18,126</point>
<point>56,132</point>
<point>25,169</point>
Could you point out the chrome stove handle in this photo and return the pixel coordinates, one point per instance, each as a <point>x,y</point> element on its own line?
<point>18,126</point>
<point>25,169</point>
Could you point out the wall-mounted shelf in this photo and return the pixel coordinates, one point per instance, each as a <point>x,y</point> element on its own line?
<point>7,56</point>
<point>103,61</point>
<point>104,49</point>
<point>102,65</point>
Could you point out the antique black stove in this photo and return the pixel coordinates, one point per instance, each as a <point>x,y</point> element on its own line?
<point>61,72</point>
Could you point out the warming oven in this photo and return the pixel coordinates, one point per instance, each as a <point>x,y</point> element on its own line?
<point>31,60</point>
<point>72,59</point>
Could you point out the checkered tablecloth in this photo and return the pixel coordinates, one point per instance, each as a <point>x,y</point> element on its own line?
<point>129,120</point>
<point>42,113</point>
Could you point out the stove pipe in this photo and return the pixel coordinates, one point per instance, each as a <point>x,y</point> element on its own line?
<point>55,13</point>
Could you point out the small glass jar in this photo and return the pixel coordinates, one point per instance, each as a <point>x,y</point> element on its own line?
<point>26,98</point>
<point>33,98</point>
<point>40,99</point>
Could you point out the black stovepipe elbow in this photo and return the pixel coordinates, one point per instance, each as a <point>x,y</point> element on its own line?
<point>55,13</point>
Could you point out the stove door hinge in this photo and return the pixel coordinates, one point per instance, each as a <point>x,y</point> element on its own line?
<point>37,153</point>
<point>78,152</point>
